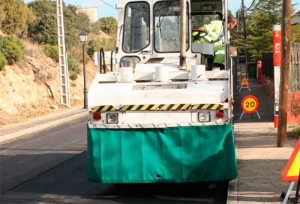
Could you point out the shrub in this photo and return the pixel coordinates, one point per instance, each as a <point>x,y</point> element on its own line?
<point>95,45</point>
<point>76,52</point>
<point>297,129</point>
<point>3,61</point>
<point>90,51</point>
<point>72,64</point>
<point>73,76</point>
<point>12,49</point>
<point>52,51</point>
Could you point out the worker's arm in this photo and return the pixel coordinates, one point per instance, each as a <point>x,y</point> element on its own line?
<point>198,32</point>
<point>200,28</point>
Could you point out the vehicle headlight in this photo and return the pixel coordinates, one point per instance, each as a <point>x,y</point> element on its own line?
<point>204,116</point>
<point>112,118</point>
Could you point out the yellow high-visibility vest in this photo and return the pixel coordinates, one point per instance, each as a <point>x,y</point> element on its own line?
<point>213,30</point>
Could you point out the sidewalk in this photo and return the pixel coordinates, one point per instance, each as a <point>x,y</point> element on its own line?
<point>16,130</point>
<point>260,161</point>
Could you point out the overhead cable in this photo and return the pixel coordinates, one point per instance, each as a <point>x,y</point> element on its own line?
<point>108,4</point>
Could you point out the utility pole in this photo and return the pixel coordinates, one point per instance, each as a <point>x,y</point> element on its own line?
<point>182,57</point>
<point>245,38</point>
<point>284,72</point>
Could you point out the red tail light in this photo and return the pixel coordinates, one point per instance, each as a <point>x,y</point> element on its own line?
<point>96,115</point>
<point>219,114</point>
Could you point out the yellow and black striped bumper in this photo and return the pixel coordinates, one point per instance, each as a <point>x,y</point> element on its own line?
<point>159,107</point>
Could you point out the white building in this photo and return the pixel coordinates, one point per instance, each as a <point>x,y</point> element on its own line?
<point>91,12</point>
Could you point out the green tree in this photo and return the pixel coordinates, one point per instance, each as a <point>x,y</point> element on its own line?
<point>72,26</point>
<point>41,7</point>
<point>15,16</point>
<point>237,34</point>
<point>108,25</point>
<point>43,31</point>
<point>260,26</point>
<point>295,33</point>
<point>44,28</point>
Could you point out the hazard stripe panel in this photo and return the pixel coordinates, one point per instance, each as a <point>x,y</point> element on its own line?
<point>159,107</point>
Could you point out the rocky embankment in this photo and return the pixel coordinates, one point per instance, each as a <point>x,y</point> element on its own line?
<point>31,87</point>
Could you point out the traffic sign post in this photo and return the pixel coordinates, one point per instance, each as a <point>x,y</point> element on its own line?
<point>276,63</point>
<point>244,84</point>
<point>291,171</point>
<point>249,105</point>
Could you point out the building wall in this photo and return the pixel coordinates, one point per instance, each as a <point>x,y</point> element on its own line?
<point>91,12</point>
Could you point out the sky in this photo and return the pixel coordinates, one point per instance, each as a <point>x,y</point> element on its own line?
<point>106,8</point>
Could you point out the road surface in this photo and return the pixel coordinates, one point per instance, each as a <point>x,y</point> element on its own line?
<point>50,167</point>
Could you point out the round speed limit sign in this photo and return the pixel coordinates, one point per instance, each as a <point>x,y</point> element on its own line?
<point>249,104</point>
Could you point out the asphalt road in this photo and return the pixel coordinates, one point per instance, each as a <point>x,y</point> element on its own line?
<point>50,167</point>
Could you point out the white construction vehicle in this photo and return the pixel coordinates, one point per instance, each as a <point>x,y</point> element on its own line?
<point>160,112</point>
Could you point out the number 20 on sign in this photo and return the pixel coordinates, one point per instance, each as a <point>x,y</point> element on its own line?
<point>249,104</point>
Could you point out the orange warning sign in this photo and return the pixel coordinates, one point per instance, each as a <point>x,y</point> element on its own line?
<point>244,82</point>
<point>291,169</point>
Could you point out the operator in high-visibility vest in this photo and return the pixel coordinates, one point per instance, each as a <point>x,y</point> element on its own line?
<point>214,33</point>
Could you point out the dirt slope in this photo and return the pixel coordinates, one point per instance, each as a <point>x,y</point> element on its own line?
<point>31,87</point>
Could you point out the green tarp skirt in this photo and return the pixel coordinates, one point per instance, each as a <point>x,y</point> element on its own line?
<point>173,154</point>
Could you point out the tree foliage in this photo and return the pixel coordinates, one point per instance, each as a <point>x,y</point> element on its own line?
<point>84,21</point>
<point>72,26</point>
<point>14,16</point>
<point>295,33</point>
<point>39,20</point>
<point>42,7</point>
<point>107,24</point>
<point>44,28</point>
<point>2,14</point>
<point>259,28</point>
<point>237,34</point>
<point>96,27</point>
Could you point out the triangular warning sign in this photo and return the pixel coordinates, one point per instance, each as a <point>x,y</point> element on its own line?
<point>291,169</point>
<point>244,82</point>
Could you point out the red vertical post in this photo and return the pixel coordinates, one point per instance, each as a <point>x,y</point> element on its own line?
<point>259,72</point>
<point>276,64</point>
